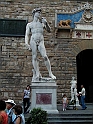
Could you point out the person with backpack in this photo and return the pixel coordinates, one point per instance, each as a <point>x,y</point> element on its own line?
<point>18,112</point>
<point>9,105</point>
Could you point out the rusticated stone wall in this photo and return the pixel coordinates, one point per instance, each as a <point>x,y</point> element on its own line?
<point>15,60</point>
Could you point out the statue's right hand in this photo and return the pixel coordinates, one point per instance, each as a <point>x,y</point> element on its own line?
<point>28,46</point>
<point>44,20</point>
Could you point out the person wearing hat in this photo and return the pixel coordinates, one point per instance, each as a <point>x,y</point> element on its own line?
<point>35,29</point>
<point>9,105</point>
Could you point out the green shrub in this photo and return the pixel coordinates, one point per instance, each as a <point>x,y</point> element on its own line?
<point>37,116</point>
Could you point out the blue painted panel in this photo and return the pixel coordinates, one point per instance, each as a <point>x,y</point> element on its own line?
<point>73,17</point>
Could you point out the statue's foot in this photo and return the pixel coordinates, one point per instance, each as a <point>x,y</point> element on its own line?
<point>52,76</point>
<point>37,78</point>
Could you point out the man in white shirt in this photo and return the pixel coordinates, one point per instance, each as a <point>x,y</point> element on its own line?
<point>82,93</point>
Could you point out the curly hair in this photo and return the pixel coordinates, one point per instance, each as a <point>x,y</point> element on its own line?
<point>36,10</point>
<point>18,109</point>
<point>2,105</point>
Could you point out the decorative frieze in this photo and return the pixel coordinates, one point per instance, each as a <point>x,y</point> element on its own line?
<point>80,24</point>
<point>84,27</point>
<point>82,34</point>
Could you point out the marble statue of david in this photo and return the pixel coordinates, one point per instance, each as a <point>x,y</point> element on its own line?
<point>35,29</point>
<point>73,88</point>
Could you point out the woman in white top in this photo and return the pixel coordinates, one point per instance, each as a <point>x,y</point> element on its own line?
<point>26,98</point>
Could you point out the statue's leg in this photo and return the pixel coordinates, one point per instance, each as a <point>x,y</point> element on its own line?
<point>35,65</point>
<point>34,59</point>
<point>42,50</point>
<point>72,94</point>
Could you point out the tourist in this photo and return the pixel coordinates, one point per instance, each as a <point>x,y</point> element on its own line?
<point>19,115</point>
<point>35,28</point>
<point>9,105</point>
<point>64,102</point>
<point>82,95</point>
<point>3,115</point>
<point>9,110</point>
<point>26,98</point>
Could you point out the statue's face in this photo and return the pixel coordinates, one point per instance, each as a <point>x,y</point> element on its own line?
<point>73,78</point>
<point>37,14</point>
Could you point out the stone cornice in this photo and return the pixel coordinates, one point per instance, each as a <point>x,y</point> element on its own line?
<point>86,6</point>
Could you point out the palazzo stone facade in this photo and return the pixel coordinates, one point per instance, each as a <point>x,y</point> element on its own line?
<point>15,59</point>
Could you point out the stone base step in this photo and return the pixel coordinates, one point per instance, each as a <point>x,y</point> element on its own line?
<point>71,116</point>
<point>71,122</point>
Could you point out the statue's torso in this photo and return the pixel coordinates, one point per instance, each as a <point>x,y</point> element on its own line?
<point>73,84</point>
<point>36,29</point>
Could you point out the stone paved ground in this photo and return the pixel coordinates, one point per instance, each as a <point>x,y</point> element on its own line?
<point>79,110</point>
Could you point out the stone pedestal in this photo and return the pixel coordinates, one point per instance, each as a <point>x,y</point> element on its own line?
<point>77,103</point>
<point>44,95</point>
<point>75,106</point>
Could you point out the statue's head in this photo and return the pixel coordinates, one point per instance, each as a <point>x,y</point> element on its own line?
<point>73,78</point>
<point>36,10</point>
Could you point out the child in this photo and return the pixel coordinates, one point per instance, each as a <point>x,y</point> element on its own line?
<point>64,102</point>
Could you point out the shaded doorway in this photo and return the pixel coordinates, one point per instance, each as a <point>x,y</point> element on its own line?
<point>84,61</point>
